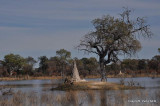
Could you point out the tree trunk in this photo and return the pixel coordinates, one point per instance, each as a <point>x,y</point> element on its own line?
<point>62,71</point>
<point>62,74</point>
<point>9,72</point>
<point>103,75</point>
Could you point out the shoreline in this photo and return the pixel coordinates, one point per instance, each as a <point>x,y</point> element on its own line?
<point>59,77</point>
<point>28,78</point>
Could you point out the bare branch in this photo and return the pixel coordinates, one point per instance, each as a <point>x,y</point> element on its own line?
<point>89,51</point>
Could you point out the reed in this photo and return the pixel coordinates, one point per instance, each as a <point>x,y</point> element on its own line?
<point>80,98</point>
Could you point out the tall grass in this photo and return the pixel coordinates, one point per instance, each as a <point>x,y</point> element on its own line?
<point>80,98</point>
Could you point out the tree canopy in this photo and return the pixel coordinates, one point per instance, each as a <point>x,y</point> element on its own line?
<point>28,67</point>
<point>64,56</point>
<point>13,62</point>
<point>43,65</point>
<point>30,60</point>
<point>113,37</point>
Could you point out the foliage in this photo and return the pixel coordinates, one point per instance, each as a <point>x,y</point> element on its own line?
<point>90,64</point>
<point>43,64</point>
<point>130,64</point>
<point>156,58</point>
<point>64,56</point>
<point>30,60</point>
<point>113,37</point>
<point>86,67</point>
<point>14,63</point>
<point>142,64</point>
<point>28,67</point>
<point>154,63</point>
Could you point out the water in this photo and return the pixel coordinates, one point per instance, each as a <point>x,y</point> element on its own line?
<point>93,98</point>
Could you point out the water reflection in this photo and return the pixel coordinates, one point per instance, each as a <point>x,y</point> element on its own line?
<point>37,92</point>
<point>103,98</point>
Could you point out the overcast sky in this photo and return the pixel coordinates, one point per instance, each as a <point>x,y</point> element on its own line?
<point>40,27</point>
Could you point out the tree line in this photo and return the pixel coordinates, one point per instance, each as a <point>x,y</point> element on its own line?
<point>62,65</point>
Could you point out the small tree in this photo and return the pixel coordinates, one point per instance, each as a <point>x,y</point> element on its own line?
<point>63,56</point>
<point>43,64</point>
<point>14,63</point>
<point>28,68</point>
<point>113,37</point>
<point>159,50</point>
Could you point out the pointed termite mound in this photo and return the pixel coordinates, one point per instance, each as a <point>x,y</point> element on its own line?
<point>75,77</point>
<point>120,73</point>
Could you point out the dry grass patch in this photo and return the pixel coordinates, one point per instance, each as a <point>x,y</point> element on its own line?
<point>92,85</point>
<point>29,78</point>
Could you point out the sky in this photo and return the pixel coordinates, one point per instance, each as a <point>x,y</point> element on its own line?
<point>41,27</point>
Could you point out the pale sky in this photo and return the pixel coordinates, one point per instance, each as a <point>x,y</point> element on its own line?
<point>40,27</point>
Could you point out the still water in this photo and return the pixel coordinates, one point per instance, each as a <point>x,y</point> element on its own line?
<point>150,96</point>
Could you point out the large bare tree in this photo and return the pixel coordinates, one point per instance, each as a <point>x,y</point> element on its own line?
<point>113,37</point>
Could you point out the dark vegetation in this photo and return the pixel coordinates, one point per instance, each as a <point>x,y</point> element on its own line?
<point>61,65</point>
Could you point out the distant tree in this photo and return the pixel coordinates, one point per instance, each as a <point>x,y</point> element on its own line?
<point>56,61</point>
<point>153,64</point>
<point>1,63</point>
<point>43,65</point>
<point>130,64</point>
<point>28,67</point>
<point>113,37</point>
<point>54,66</point>
<point>30,60</point>
<point>90,64</point>
<point>159,50</point>
<point>64,56</point>
<point>3,71</point>
<point>156,58</point>
<point>142,64</point>
<point>14,63</point>
<point>114,67</point>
